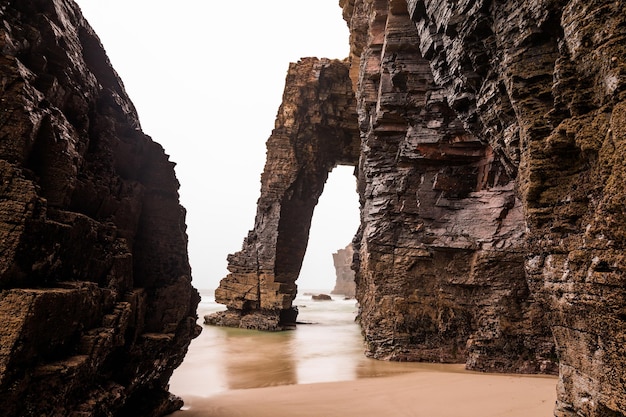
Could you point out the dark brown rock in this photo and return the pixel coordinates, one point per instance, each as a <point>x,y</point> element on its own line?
<point>321,297</point>
<point>491,177</point>
<point>96,302</point>
<point>543,83</point>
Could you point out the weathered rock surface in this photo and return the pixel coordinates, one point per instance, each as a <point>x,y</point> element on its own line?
<point>315,131</point>
<point>491,179</point>
<point>96,304</point>
<point>440,265</point>
<point>440,269</point>
<point>344,283</point>
<point>544,83</point>
<point>321,297</point>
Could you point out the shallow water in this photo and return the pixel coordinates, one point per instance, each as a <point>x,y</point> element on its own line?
<point>328,348</point>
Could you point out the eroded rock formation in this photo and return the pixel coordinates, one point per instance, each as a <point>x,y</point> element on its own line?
<point>344,282</point>
<point>315,131</point>
<point>96,304</point>
<point>491,179</point>
<point>440,275</point>
<point>544,83</point>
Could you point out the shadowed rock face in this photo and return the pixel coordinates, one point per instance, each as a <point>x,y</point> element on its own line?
<point>491,179</point>
<point>96,304</point>
<point>440,271</point>
<point>543,82</point>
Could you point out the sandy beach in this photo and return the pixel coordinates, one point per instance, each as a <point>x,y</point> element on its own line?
<point>417,394</point>
<point>321,371</point>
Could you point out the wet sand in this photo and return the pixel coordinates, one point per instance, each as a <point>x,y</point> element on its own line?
<point>417,394</point>
<point>320,370</point>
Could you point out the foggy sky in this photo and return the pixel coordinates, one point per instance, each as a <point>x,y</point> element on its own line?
<point>207,79</point>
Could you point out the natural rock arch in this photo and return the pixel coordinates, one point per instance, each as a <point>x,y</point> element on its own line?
<point>491,184</point>
<point>316,130</point>
<point>438,256</point>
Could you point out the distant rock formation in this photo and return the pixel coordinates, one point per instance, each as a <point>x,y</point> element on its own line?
<point>491,179</point>
<point>96,304</point>
<point>344,284</point>
<point>321,297</point>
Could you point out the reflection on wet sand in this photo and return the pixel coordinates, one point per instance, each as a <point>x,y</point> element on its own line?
<point>329,349</point>
<point>223,364</point>
<point>253,359</point>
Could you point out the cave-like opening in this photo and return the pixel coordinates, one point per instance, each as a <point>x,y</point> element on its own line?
<point>335,221</point>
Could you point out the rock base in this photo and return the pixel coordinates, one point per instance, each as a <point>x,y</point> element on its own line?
<point>264,320</point>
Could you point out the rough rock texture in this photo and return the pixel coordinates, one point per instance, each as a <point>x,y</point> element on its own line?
<point>492,180</point>
<point>96,304</point>
<point>544,83</point>
<point>315,130</point>
<point>344,283</point>
<point>440,272</point>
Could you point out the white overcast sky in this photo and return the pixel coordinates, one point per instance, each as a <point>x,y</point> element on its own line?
<point>207,77</point>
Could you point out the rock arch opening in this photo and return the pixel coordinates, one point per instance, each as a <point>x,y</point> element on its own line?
<point>316,130</point>
<point>335,222</point>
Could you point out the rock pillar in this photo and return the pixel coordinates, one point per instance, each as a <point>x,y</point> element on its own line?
<point>315,131</point>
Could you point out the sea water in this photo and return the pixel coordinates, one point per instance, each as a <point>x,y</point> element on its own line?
<point>327,346</point>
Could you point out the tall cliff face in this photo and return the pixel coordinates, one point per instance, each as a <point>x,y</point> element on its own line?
<point>544,83</point>
<point>491,179</point>
<point>96,304</point>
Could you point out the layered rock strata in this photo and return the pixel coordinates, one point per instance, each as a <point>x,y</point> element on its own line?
<point>544,83</point>
<point>440,271</point>
<point>440,265</point>
<point>315,131</point>
<point>96,304</point>
<point>491,181</point>
<point>344,280</point>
